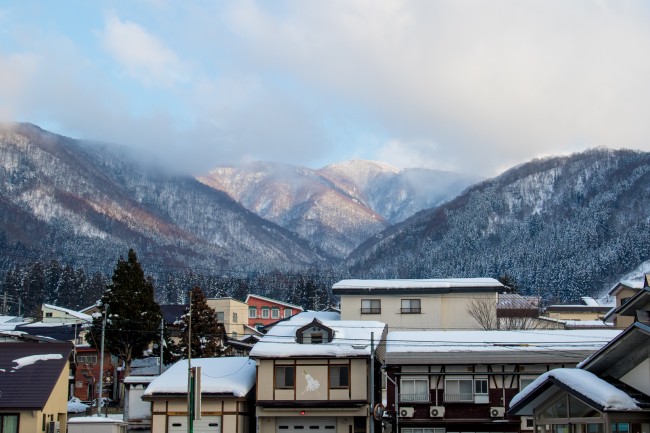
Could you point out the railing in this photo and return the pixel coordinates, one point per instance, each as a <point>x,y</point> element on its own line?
<point>414,398</point>
<point>411,310</point>
<point>462,397</point>
<point>371,310</point>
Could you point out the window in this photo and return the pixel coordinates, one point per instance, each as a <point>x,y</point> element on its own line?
<point>284,376</point>
<point>620,427</point>
<point>275,313</point>
<point>252,312</point>
<point>458,390</point>
<point>48,314</point>
<point>414,389</point>
<point>480,386</point>
<point>8,423</point>
<point>287,312</point>
<point>234,317</point>
<point>424,430</point>
<point>371,306</point>
<point>339,376</point>
<point>220,316</point>
<point>265,312</point>
<point>87,359</point>
<point>411,306</point>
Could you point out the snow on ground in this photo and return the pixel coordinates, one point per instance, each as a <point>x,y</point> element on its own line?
<point>226,375</point>
<point>585,383</point>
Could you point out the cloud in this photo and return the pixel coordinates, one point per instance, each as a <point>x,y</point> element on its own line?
<point>141,54</point>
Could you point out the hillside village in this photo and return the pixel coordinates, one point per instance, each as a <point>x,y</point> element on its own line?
<point>409,356</point>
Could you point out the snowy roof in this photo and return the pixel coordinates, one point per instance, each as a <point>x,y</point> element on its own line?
<point>581,383</point>
<point>78,315</point>
<point>139,379</point>
<point>632,284</point>
<point>264,298</point>
<point>351,337</point>
<point>435,283</point>
<point>571,324</point>
<point>95,419</point>
<point>502,346</point>
<point>228,375</point>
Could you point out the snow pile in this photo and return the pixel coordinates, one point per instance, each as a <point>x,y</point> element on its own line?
<point>76,406</point>
<point>228,375</point>
<point>586,384</point>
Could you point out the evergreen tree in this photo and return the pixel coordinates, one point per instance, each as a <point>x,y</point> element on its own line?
<point>133,316</point>
<point>208,335</point>
<point>34,290</point>
<point>52,276</point>
<point>66,291</point>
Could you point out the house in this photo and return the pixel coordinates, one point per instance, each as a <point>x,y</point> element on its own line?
<point>622,292</point>
<point>33,384</point>
<point>53,314</point>
<point>233,314</point>
<point>316,372</point>
<point>459,381</point>
<point>608,392</point>
<point>264,311</point>
<point>86,372</point>
<point>227,393</point>
<point>418,304</point>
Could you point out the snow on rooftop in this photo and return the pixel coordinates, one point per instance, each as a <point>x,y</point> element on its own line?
<point>78,315</point>
<point>227,375</point>
<point>33,359</point>
<point>436,283</point>
<point>139,379</point>
<point>491,341</point>
<point>586,384</point>
<point>95,419</point>
<point>351,337</point>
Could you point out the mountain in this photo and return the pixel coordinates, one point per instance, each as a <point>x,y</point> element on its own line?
<point>339,206</point>
<point>89,202</point>
<point>563,227</point>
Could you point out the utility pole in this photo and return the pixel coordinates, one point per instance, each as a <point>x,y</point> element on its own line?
<point>372,380</point>
<point>190,393</point>
<point>162,342</point>
<point>101,365</point>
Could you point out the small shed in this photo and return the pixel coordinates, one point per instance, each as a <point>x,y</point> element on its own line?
<point>96,424</point>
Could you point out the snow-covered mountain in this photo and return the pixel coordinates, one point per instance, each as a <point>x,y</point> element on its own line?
<point>341,205</point>
<point>563,227</point>
<point>90,202</point>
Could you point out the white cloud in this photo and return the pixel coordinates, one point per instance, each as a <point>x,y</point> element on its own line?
<point>141,54</point>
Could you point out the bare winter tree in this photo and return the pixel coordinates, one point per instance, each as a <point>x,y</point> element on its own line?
<point>484,311</point>
<point>510,312</point>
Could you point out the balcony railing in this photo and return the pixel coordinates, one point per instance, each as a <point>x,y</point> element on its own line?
<point>411,310</point>
<point>371,310</point>
<point>456,398</point>
<point>421,398</point>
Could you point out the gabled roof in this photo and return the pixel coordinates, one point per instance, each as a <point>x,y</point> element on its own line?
<point>634,343</point>
<point>228,377</point>
<point>582,384</point>
<point>437,286</point>
<point>627,284</point>
<point>640,301</point>
<point>275,301</point>
<point>314,324</point>
<point>29,371</point>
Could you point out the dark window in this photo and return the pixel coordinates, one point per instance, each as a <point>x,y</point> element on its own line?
<point>284,376</point>
<point>9,423</point>
<point>339,376</point>
<point>316,338</point>
<point>371,306</point>
<point>411,306</point>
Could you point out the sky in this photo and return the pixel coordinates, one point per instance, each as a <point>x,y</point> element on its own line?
<point>468,86</point>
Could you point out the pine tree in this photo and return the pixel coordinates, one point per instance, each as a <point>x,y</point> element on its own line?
<point>133,316</point>
<point>208,335</point>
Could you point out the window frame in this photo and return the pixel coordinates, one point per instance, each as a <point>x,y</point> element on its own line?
<point>447,395</point>
<point>275,313</point>
<point>252,312</point>
<point>10,414</point>
<point>411,307</point>
<point>340,385</point>
<point>266,313</point>
<point>373,306</point>
<point>287,312</point>
<point>221,316</point>
<point>414,399</point>
<point>284,375</point>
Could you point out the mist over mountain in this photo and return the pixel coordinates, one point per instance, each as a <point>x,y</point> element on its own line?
<point>89,202</point>
<point>341,205</point>
<point>563,227</point>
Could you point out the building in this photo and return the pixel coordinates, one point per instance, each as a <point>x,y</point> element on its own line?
<point>622,292</point>
<point>233,314</point>
<point>54,314</point>
<point>460,381</point>
<point>609,392</point>
<point>86,372</point>
<point>33,383</point>
<point>315,373</point>
<point>264,311</point>
<point>418,304</point>
<point>227,397</point>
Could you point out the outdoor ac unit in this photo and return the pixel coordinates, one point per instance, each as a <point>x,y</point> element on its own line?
<point>497,412</point>
<point>406,412</point>
<point>437,411</point>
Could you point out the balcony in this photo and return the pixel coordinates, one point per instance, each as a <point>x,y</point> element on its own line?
<point>414,398</point>
<point>463,397</point>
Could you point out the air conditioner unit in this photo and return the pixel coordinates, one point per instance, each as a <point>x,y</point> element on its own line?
<point>497,412</point>
<point>437,411</point>
<point>406,412</point>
